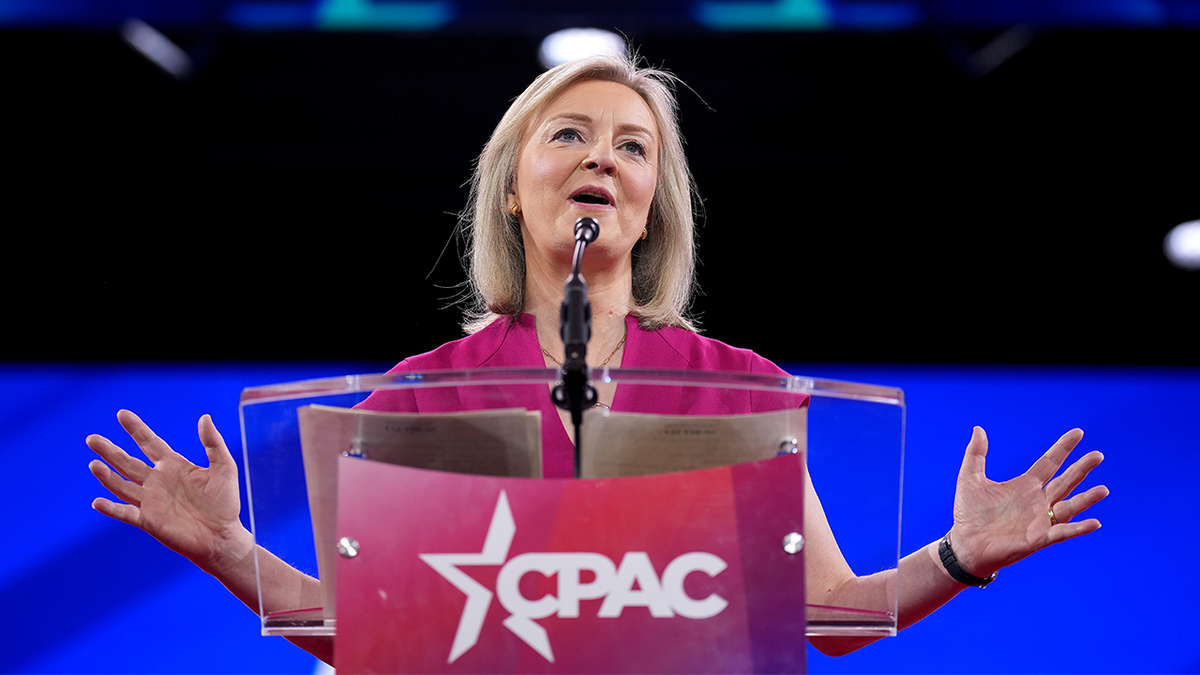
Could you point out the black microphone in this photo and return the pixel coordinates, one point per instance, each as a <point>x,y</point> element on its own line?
<point>574,394</point>
<point>575,320</point>
<point>586,229</point>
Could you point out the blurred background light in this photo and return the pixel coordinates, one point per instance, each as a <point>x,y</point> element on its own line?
<point>1002,48</point>
<point>157,47</point>
<point>576,43</point>
<point>634,16</point>
<point>777,15</point>
<point>395,15</point>
<point>1182,245</point>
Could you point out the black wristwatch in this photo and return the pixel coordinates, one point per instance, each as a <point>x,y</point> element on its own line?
<point>950,562</point>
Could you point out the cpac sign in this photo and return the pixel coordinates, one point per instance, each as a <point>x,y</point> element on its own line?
<point>631,583</point>
<point>670,573</point>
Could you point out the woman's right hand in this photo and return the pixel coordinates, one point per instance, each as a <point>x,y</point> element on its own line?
<point>192,510</point>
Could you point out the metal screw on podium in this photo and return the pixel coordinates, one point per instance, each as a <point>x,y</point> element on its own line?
<point>793,542</point>
<point>347,547</point>
<point>789,447</point>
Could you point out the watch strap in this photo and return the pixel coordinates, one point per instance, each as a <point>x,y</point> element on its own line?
<point>950,562</point>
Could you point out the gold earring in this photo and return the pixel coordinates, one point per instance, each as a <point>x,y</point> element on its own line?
<point>515,209</point>
<point>644,233</point>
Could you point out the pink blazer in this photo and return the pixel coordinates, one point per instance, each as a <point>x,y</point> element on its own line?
<point>513,344</point>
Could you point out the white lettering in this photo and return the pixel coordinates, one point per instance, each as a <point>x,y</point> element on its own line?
<point>508,585</point>
<point>672,581</point>
<point>636,568</point>
<point>523,610</point>
<point>634,583</point>
<point>571,590</point>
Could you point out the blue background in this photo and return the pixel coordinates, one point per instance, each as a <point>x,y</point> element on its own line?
<point>84,594</point>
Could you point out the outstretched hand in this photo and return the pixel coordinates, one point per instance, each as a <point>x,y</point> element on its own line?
<point>191,509</point>
<point>997,524</point>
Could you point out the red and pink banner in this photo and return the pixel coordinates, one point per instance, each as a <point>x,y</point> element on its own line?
<point>671,573</point>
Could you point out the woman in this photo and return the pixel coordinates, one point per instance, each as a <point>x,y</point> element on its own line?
<point>596,138</point>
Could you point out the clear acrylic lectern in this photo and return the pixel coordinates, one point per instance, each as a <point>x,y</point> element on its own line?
<point>717,463</point>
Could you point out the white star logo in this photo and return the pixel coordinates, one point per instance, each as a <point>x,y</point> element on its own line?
<point>479,598</point>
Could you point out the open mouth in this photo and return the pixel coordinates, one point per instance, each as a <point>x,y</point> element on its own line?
<point>591,197</point>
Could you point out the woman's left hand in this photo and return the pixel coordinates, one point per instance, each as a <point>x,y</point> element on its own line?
<point>997,524</point>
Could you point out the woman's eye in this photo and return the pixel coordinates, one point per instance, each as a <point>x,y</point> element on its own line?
<point>633,147</point>
<point>568,135</point>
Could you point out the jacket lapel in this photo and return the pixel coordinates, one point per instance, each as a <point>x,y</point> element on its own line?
<point>649,350</point>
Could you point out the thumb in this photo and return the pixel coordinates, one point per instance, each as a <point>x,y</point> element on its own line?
<point>214,444</point>
<point>975,459</point>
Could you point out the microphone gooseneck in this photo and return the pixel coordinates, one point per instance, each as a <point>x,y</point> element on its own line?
<point>574,393</point>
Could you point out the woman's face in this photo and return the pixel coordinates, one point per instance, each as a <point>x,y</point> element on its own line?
<point>593,151</point>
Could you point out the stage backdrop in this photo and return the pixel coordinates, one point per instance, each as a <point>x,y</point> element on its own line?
<point>84,594</point>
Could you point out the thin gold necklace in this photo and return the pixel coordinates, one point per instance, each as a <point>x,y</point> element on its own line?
<point>605,362</point>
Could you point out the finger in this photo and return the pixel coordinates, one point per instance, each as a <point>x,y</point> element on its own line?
<point>975,459</point>
<point>214,444</point>
<point>154,447</point>
<point>1070,479</point>
<point>1047,465</point>
<point>130,467</point>
<point>1065,531</point>
<point>126,513</point>
<point>123,489</point>
<point>1069,508</point>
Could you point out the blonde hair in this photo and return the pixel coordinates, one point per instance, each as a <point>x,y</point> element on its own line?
<point>663,263</point>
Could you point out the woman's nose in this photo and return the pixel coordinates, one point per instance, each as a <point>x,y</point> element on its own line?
<point>600,159</point>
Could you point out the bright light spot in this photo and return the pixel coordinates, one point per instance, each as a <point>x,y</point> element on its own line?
<point>157,47</point>
<point>576,43</point>
<point>1182,245</point>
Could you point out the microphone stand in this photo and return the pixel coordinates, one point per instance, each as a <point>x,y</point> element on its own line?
<point>574,393</point>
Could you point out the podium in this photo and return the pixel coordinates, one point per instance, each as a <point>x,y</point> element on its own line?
<point>681,549</point>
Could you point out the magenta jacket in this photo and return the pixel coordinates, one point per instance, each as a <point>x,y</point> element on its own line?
<point>508,343</point>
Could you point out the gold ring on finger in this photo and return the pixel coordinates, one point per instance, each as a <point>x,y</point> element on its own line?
<point>1053,520</point>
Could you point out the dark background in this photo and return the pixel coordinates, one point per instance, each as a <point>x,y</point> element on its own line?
<point>869,197</point>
